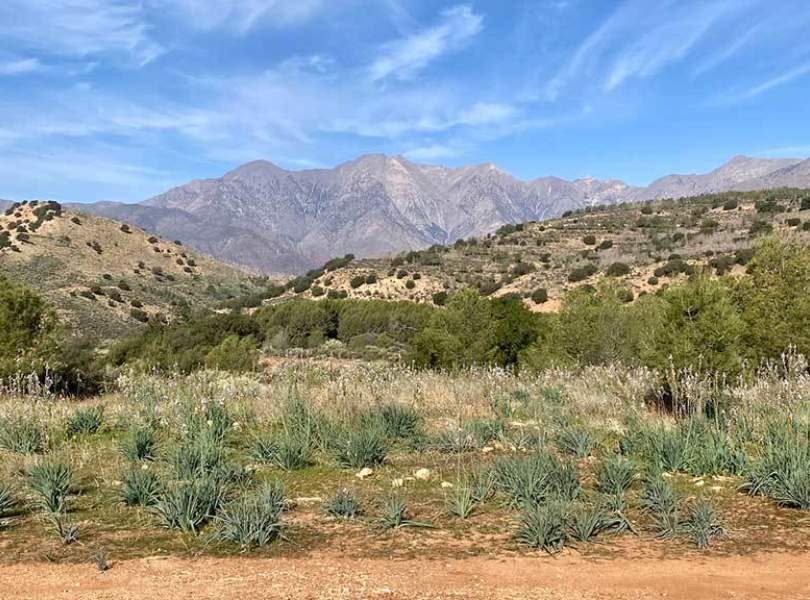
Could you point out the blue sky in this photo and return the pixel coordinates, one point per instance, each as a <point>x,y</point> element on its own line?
<point>115,100</point>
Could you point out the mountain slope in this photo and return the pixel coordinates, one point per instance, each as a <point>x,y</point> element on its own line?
<point>280,221</point>
<point>642,247</point>
<point>741,172</point>
<point>107,278</point>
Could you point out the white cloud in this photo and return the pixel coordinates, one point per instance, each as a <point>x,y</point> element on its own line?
<point>638,41</point>
<point>433,152</point>
<point>776,81</point>
<point>241,15</point>
<point>403,58</point>
<point>20,66</point>
<point>78,28</point>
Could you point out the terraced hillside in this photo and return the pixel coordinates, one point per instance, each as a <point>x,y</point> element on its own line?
<point>644,245</point>
<point>107,278</point>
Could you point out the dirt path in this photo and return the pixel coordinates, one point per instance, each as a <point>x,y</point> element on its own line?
<point>759,577</point>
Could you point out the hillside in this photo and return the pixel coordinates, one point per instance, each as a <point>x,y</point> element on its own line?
<point>107,278</point>
<point>643,246</point>
<point>281,221</point>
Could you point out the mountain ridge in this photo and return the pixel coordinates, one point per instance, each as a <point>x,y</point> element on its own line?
<point>280,221</point>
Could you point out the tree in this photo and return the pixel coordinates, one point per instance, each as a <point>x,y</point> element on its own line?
<point>702,328</point>
<point>234,354</point>
<point>775,299</point>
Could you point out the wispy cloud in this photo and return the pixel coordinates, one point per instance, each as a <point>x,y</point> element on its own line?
<point>242,15</point>
<point>638,41</point>
<point>20,66</point>
<point>403,58</point>
<point>78,28</point>
<point>764,86</point>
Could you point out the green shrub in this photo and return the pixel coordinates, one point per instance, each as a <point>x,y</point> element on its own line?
<point>254,519</point>
<point>589,240</point>
<point>140,443</point>
<point>8,501</point>
<point>582,273</point>
<point>614,475</point>
<point>85,421</point>
<point>395,515</point>
<point>51,481</point>
<point>357,281</point>
<point>290,451</point>
<point>358,447</point>
<point>659,500</point>
<point>606,245</point>
<point>140,488</point>
<point>575,441</point>
<point>618,269</point>
<point>21,435</point>
<point>540,296</point>
<point>343,505</point>
<point>702,524</point>
<point>543,526</point>
<point>191,504</point>
<point>534,479</point>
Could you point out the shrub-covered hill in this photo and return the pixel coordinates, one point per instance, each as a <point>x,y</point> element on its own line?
<point>644,246</point>
<point>107,278</point>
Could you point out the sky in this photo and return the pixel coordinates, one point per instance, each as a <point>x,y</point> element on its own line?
<point>120,100</point>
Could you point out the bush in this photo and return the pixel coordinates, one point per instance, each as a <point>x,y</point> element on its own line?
<point>254,519</point>
<point>543,526</point>
<point>614,475</point>
<point>358,447</point>
<point>535,479</point>
<point>357,281</point>
<point>191,504</point>
<point>440,298</point>
<point>540,296</point>
<point>606,244</point>
<point>343,505</point>
<point>51,482</point>
<point>702,524</point>
<point>589,240</point>
<point>21,435</point>
<point>730,204</point>
<point>618,269</point>
<point>140,443</point>
<point>140,488</point>
<point>410,284</point>
<point>85,421</point>
<point>138,315</point>
<point>582,273</point>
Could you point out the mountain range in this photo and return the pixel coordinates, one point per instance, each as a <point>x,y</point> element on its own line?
<point>278,221</point>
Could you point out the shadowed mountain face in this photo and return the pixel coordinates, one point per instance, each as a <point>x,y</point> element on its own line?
<point>281,221</point>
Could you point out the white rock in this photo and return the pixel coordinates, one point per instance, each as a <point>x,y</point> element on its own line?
<point>700,483</point>
<point>487,449</point>
<point>422,474</point>
<point>446,484</point>
<point>364,472</point>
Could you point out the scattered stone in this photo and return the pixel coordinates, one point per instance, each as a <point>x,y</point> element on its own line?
<point>364,472</point>
<point>446,485</point>
<point>422,474</point>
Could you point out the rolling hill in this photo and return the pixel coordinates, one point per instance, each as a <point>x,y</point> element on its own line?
<point>642,246</point>
<point>107,278</point>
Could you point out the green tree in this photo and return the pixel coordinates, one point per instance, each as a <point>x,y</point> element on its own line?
<point>234,354</point>
<point>702,328</point>
<point>775,299</point>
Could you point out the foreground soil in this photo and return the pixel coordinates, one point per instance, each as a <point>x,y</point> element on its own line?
<point>571,576</point>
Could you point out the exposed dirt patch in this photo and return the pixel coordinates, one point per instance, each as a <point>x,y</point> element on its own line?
<point>328,576</point>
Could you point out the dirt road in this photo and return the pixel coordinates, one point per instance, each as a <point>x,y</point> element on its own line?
<point>756,576</point>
